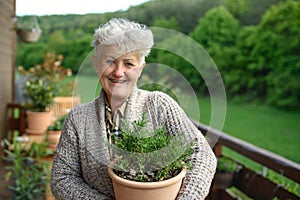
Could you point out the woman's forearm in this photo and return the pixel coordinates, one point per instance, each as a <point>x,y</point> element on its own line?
<point>67,184</point>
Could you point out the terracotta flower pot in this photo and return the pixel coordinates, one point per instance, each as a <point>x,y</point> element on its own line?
<point>53,138</point>
<point>132,190</point>
<point>33,137</point>
<point>38,122</point>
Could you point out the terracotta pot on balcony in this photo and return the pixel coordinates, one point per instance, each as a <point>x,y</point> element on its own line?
<point>53,138</point>
<point>133,190</point>
<point>38,122</point>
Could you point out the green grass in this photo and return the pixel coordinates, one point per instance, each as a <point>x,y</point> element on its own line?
<point>269,128</point>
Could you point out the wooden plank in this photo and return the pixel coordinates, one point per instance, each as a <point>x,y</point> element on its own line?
<point>5,68</point>
<point>271,160</point>
<point>226,195</point>
<point>16,123</point>
<point>220,194</point>
<point>7,4</point>
<point>7,50</point>
<point>258,187</point>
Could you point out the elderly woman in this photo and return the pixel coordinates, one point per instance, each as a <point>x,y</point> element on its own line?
<point>82,155</point>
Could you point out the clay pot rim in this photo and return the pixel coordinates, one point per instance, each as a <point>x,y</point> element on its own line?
<point>136,184</point>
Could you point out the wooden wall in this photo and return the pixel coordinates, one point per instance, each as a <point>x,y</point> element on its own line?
<point>7,57</point>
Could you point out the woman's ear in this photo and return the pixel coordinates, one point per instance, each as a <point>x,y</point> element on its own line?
<point>143,65</point>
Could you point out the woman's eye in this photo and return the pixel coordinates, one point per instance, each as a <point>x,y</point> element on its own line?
<point>109,62</point>
<point>129,64</point>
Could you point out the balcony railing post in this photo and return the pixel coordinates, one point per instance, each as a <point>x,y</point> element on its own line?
<point>217,149</point>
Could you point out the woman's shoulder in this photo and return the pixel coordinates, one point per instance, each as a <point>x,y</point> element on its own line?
<point>83,108</point>
<point>156,96</point>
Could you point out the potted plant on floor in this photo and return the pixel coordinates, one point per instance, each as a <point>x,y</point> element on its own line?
<point>28,171</point>
<point>41,87</point>
<point>41,94</point>
<point>148,165</point>
<point>226,169</point>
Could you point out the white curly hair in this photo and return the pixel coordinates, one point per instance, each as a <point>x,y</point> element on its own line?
<point>128,36</point>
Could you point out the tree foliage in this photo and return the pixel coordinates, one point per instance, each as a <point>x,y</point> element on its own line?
<point>275,54</point>
<point>217,32</point>
<point>167,23</point>
<point>255,43</point>
<point>237,7</point>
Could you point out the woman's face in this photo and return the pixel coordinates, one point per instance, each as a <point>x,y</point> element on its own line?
<point>118,75</point>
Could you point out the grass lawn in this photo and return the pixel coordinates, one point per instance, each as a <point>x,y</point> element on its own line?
<point>272,129</point>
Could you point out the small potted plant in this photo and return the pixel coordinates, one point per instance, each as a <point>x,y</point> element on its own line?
<point>54,132</point>
<point>41,94</point>
<point>41,87</point>
<point>148,165</point>
<point>28,172</point>
<point>29,29</point>
<point>226,169</point>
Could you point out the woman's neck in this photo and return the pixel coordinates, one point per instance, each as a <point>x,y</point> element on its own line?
<point>115,103</point>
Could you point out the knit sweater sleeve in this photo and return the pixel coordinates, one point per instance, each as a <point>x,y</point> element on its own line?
<point>66,178</point>
<point>197,182</point>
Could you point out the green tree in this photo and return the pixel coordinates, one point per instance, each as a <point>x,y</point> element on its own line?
<point>217,32</point>
<point>276,52</point>
<point>256,9</point>
<point>237,7</point>
<point>242,79</point>
<point>57,40</point>
<point>167,23</point>
<point>27,55</point>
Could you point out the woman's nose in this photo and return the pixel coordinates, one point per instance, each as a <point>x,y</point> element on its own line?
<point>119,70</point>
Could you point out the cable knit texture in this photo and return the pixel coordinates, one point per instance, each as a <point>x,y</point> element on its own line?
<point>80,164</point>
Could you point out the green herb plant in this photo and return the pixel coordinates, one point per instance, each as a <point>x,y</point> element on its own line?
<point>226,165</point>
<point>147,156</point>
<point>28,173</point>
<point>58,124</point>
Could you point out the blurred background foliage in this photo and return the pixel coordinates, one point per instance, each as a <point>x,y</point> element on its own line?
<point>255,43</point>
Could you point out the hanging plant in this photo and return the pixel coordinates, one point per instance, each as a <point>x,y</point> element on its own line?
<point>29,29</point>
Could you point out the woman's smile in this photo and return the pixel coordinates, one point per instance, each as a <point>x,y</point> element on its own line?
<point>117,81</point>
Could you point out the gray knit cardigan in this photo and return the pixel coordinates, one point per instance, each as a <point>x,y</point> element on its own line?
<point>79,169</point>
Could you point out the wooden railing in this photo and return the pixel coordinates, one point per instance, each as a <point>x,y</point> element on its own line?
<point>251,183</point>
<point>16,118</point>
